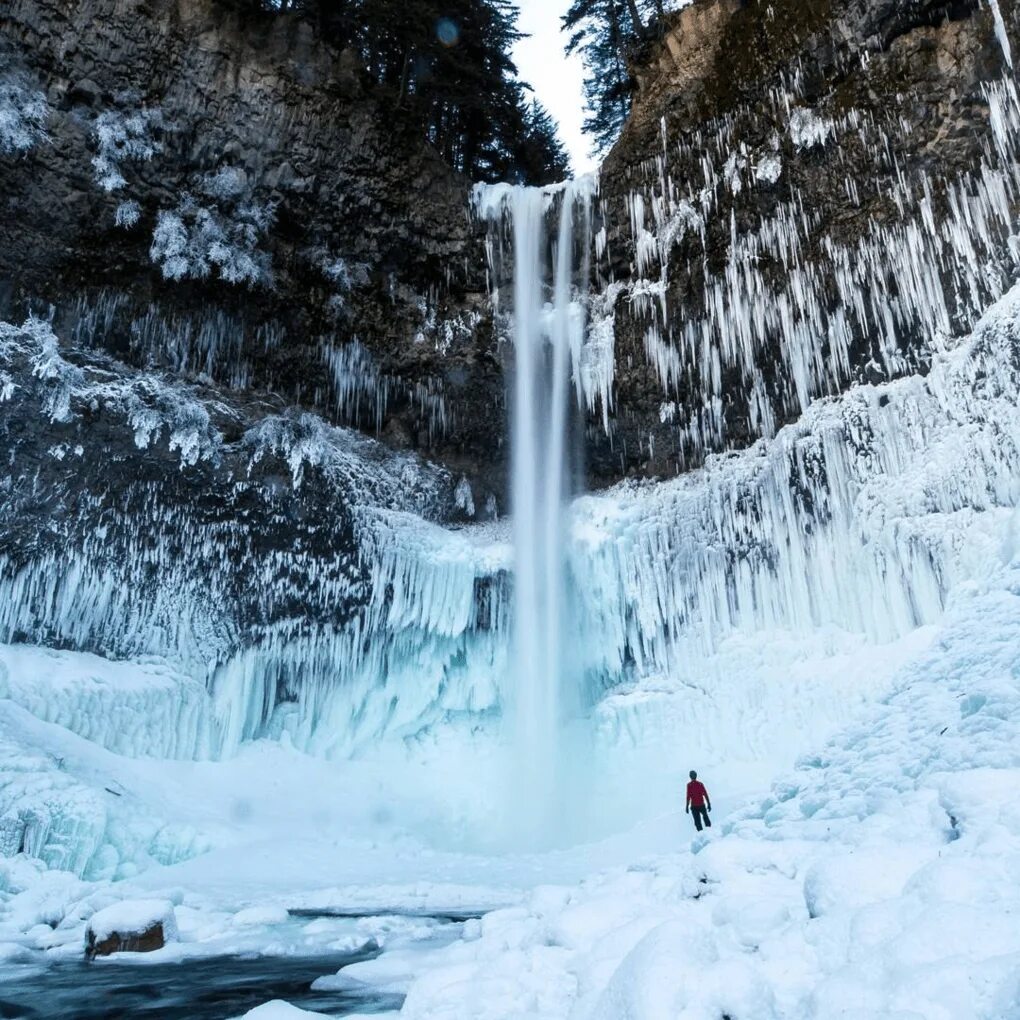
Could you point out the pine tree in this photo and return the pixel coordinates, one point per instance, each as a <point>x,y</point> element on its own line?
<point>540,157</point>
<point>446,64</point>
<point>605,32</point>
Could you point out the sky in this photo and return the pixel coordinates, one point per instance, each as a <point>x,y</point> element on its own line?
<point>556,78</point>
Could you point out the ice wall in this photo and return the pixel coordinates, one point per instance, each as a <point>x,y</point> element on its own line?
<point>861,516</point>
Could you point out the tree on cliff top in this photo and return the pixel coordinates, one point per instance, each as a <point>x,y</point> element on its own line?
<point>605,32</point>
<point>446,65</point>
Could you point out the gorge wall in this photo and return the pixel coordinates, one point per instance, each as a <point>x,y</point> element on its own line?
<point>805,195</point>
<point>252,366</point>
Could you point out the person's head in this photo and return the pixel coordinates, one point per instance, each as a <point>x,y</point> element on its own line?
<point>693,774</point>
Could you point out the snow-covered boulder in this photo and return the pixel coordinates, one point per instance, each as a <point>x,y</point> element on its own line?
<point>131,926</point>
<point>277,1010</point>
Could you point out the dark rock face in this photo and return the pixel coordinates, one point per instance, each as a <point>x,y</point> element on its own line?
<point>225,201</point>
<point>806,195</point>
<point>228,203</point>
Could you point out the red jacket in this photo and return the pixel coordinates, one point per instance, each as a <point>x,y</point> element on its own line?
<point>697,795</point>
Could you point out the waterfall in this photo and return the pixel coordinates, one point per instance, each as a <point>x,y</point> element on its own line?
<point>547,228</point>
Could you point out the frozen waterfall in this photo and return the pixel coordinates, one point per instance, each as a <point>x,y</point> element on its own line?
<point>549,232</point>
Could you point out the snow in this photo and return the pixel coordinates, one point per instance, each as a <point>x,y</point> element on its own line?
<point>133,917</point>
<point>277,1009</point>
<point>23,114</point>
<point>855,886</point>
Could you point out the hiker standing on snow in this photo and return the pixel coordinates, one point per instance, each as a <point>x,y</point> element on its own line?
<point>698,801</point>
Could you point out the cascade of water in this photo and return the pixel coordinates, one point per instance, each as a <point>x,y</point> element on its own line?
<point>547,346</point>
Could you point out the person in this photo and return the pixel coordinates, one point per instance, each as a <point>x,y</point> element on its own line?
<point>698,801</point>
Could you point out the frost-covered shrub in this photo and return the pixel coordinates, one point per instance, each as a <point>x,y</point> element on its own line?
<point>227,184</point>
<point>342,274</point>
<point>127,214</point>
<point>377,476</point>
<point>35,341</point>
<point>23,113</point>
<point>151,406</point>
<point>193,240</point>
<point>303,440</point>
<point>147,403</point>
<point>769,168</point>
<point>123,138</point>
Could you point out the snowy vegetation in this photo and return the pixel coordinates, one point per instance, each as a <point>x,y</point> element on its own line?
<point>150,406</point>
<point>193,241</point>
<point>23,114</point>
<point>122,139</point>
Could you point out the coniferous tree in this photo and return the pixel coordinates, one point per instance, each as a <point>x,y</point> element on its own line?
<point>605,33</point>
<point>540,156</point>
<point>447,65</point>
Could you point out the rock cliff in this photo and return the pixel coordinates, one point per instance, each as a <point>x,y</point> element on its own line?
<point>805,195</point>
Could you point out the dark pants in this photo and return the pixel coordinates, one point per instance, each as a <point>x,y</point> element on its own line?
<point>701,815</point>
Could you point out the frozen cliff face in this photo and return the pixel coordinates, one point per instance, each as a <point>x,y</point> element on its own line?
<point>262,552</point>
<point>805,196</point>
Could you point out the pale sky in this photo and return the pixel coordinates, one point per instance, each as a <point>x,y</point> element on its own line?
<point>556,78</point>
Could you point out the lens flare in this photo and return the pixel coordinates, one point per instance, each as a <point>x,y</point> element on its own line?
<point>447,32</point>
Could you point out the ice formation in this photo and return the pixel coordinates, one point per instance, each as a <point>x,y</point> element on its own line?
<point>914,279</point>
<point>23,114</point>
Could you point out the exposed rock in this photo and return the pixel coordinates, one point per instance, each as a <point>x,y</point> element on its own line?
<point>132,926</point>
<point>229,200</point>
<point>787,206</point>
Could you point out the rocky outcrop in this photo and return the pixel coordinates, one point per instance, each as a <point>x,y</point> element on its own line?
<point>228,201</point>
<point>806,195</point>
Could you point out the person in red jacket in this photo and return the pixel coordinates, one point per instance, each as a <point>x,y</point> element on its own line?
<point>699,801</point>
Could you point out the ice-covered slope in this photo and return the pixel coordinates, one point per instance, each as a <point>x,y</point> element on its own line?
<point>877,881</point>
<point>723,620</point>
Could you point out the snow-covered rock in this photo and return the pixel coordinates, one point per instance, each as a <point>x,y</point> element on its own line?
<point>131,926</point>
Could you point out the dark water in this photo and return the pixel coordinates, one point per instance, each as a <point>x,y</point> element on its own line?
<point>207,989</point>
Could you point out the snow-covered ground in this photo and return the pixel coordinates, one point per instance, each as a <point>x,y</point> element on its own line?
<point>878,879</point>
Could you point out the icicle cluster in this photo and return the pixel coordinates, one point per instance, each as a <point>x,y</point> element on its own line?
<point>859,517</point>
<point>777,325</point>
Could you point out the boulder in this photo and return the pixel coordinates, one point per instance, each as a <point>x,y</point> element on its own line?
<point>132,926</point>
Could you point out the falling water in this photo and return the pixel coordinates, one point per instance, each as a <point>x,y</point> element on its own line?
<point>548,330</point>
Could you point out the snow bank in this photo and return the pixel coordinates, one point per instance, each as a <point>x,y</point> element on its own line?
<point>875,881</point>
<point>277,1010</point>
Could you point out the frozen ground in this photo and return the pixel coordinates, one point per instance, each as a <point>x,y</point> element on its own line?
<point>876,880</point>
